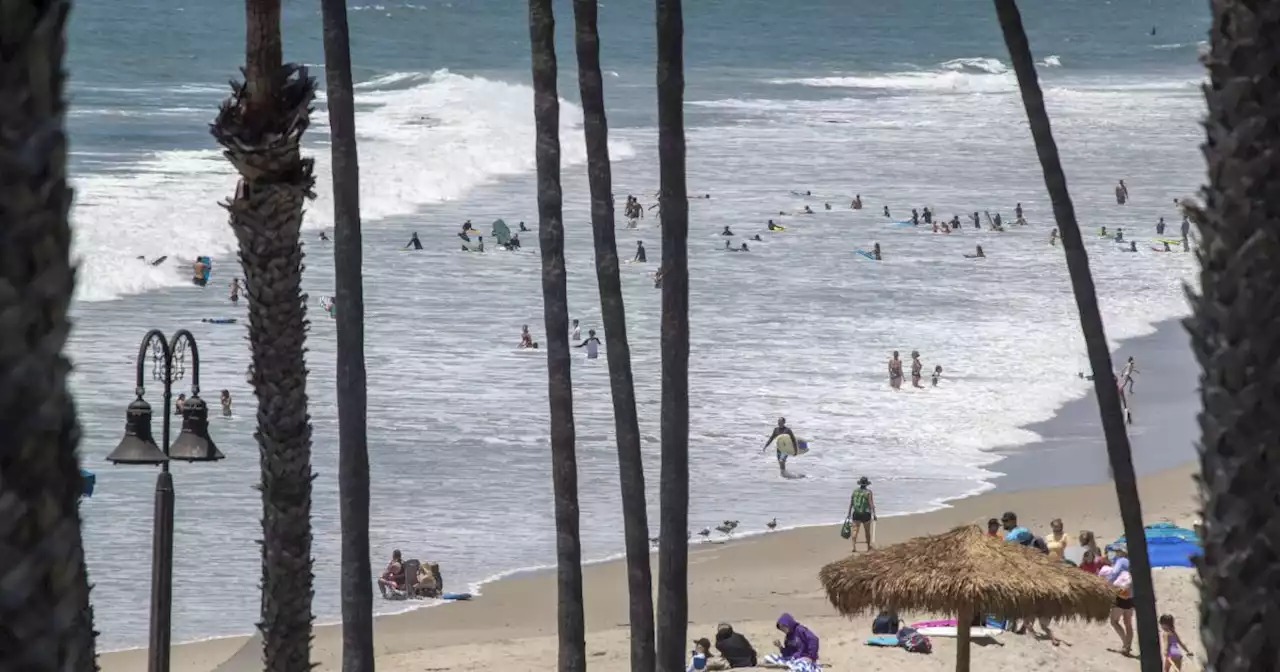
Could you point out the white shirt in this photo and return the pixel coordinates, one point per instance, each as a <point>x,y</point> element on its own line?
<point>576,333</point>
<point>593,347</point>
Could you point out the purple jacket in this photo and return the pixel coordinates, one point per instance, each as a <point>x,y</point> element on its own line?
<point>800,642</point>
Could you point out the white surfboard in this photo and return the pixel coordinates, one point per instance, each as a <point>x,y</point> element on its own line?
<point>952,631</point>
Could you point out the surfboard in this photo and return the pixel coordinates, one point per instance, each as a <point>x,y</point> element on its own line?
<point>904,222</point>
<point>786,446</point>
<point>219,320</point>
<point>457,597</point>
<point>866,254</point>
<point>953,631</point>
<point>882,640</point>
<point>778,228</point>
<point>1171,241</point>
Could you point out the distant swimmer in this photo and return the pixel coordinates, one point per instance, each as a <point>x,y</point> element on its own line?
<point>235,290</point>
<point>1053,237</point>
<point>775,227</point>
<point>915,217</point>
<point>1122,193</point>
<point>886,213</point>
<point>781,430</point>
<point>757,237</point>
<point>1017,212</point>
<point>998,224</point>
<point>526,339</point>
<point>657,279</point>
<point>1133,246</point>
<point>807,211</point>
<point>575,332</point>
<point>826,206</point>
<point>523,227</point>
<point>927,215</point>
<point>726,232</point>
<point>1160,227</point>
<point>1102,232</point>
<point>728,246</point>
<point>592,344</point>
<point>856,204</point>
<point>978,254</point>
<point>977,221</point>
<point>414,242</point>
<point>937,374</point>
<point>744,248</point>
<point>895,371</point>
<point>1119,235</point>
<point>513,243</point>
<point>640,255</point>
<point>324,236</point>
<point>797,193</point>
<point>226,403</point>
<point>875,251</point>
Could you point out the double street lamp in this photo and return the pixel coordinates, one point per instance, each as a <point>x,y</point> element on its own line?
<point>168,358</point>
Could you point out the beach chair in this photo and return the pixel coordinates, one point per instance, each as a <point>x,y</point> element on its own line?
<point>409,587</point>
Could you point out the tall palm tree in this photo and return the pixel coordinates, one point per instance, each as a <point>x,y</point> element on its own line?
<point>613,312</point>
<point>353,444</point>
<point>1113,423</point>
<point>673,546</point>
<point>555,310</point>
<point>46,622</point>
<point>1233,333</point>
<point>260,128</point>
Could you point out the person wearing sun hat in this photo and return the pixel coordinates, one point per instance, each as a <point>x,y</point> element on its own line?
<point>862,510</point>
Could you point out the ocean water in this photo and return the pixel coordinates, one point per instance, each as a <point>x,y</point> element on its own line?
<point>909,105</point>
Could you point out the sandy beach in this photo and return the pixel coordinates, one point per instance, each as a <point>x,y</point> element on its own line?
<point>748,582</point>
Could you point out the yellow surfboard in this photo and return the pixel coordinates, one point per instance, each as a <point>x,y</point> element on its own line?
<point>786,446</point>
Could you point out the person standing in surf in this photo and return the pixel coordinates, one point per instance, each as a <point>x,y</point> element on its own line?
<point>235,290</point>
<point>1122,193</point>
<point>895,372</point>
<point>592,344</point>
<point>640,255</point>
<point>916,369</point>
<point>862,510</point>
<point>780,430</point>
<point>575,333</point>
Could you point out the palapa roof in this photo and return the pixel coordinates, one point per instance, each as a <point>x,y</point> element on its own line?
<point>964,567</point>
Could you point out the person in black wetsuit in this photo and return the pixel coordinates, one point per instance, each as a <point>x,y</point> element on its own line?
<point>927,216</point>
<point>734,648</point>
<point>640,256</point>
<point>523,227</point>
<point>915,217</point>
<point>757,237</point>
<point>324,236</point>
<point>726,232</point>
<point>414,242</point>
<point>780,430</point>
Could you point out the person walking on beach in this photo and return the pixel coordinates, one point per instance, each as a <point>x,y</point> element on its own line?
<point>862,510</point>
<point>780,430</point>
<point>1122,612</point>
<point>916,369</point>
<point>1126,376</point>
<point>895,372</point>
<point>1171,645</point>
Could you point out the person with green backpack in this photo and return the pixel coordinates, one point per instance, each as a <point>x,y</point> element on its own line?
<point>862,510</point>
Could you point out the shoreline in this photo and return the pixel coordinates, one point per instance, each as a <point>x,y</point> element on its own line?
<point>1070,442</point>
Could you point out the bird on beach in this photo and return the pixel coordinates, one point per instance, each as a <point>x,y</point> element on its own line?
<point>731,524</point>
<point>772,525</point>
<point>653,541</point>
<point>704,533</point>
<point>727,528</point>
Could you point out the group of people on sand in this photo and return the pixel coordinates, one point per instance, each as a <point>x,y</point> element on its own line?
<point>797,649</point>
<point>917,371</point>
<point>394,580</point>
<point>1112,564</point>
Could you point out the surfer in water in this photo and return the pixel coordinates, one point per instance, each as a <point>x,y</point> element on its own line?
<point>915,217</point>
<point>977,254</point>
<point>886,213</point>
<point>414,242</point>
<point>895,372</point>
<point>780,430</point>
<point>927,215</point>
<point>640,255</point>
<point>1053,237</point>
<point>523,227</point>
<point>726,232</point>
<point>875,251</point>
<point>324,236</point>
<point>757,238</point>
<point>1017,214</point>
<point>592,344</point>
<point>775,227</point>
<point>526,339</point>
<point>807,211</point>
<point>977,222</point>
<point>1160,227</point>
<point>199,272</point>
<point>744,248</point>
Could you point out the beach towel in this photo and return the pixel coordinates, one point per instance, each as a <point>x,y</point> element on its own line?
<point>882,640</point>
<point>1169,545</point>
<point>792,664</point>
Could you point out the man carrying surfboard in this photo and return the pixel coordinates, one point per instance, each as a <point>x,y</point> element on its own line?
<point>781,430</point>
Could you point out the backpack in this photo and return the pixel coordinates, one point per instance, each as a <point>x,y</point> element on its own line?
<point>913,641</point>
<point>886,623</point>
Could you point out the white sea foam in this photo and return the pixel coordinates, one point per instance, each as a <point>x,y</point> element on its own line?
<point>424,139</point>
<point>1051,62</point>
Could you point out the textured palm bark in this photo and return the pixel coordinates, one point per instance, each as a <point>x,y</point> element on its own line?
<point>260,135</point>
<point>613,314</point>
<point>673,545</point>
<point>555,309</point>
<point>46,622</point>
<point>353,443</point>
<point>1234,329</point>
<point>1113,424</point>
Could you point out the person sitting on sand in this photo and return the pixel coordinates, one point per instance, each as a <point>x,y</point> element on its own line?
<point>798,650</point>
<point>734,647</point>
<point>698,656</point>
<point>393,576</point>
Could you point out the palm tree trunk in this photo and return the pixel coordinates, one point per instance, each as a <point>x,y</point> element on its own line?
<point>353,445</point>
<point>260,128</point>
<point>1104,382</point>
<point>46,621</point>
<point>673,547</point>
<point>564,461</point>
<point>614,315</point>
<point>1233,333</point>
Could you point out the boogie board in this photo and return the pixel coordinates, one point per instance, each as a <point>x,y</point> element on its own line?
<point>219,320</point>
<point>1171,241</point>
<point>883,640</point>
<point>904,222</point>
<point>952,631</point>
<point>458,597</point>
<point>786,446</point>
<point>866,254</point>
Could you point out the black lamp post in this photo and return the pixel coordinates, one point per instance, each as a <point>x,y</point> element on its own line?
<point>138,447</point>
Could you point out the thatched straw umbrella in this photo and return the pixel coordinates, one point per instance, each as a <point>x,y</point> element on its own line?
<point>960,572</point>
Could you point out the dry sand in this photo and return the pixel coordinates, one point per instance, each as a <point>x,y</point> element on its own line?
<point>749,582</point>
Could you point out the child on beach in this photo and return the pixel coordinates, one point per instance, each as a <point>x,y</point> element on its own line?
<point>698,657</point>
<point>937,373</point>
<point>1171,645</point>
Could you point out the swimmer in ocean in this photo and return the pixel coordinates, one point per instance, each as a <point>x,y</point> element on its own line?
<point>640,255</point>
<point>757,237</point>
<point>235,290</point>
<point>592,344</point>
<point>977,222</point>
<point>1102,232</point>
<point>1119,235</point>
<point>781,429</point>
<point>744,248</point>
<point>895,372</point>
<point>915,217</point>
<point>726,232</point>
<point>1053,237</point>
<point>324,236</point>
<point>826,205</point>
<point>526,339</point>
<point>886,213</point>
<point>875,251</point>
<point>414,242</point>
<point>807,211</point>
<point>916,369</point>
<point>523,227</point>
<point>198,271</point>
<point>937,373</point>
<point>856,204</point>
<point>927,215</point>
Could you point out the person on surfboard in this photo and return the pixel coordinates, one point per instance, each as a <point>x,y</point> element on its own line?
<point>780,430</point>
